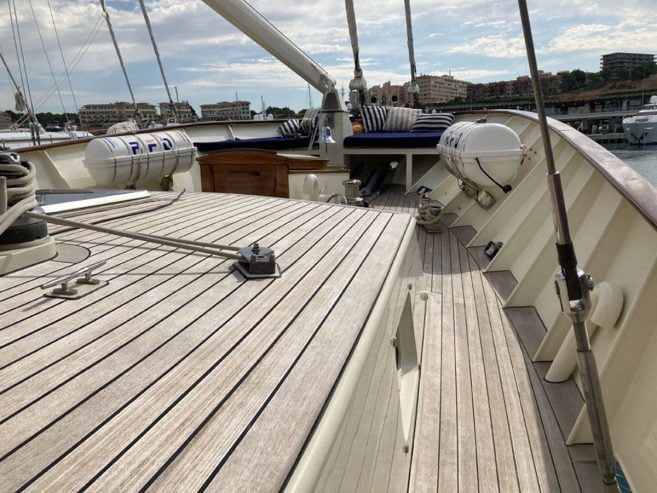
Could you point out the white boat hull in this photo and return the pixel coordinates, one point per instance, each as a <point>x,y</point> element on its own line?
<point>639,133</point>
<point>20,139</point>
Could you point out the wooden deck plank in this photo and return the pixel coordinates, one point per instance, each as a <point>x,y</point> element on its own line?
<point>251,468</point>
<point>561,459</point>
<point>201,273</point>
<point>21,282</point>
<point>129,273</point>
<point>194,381</point>
<point>485,449</point>
<point>504,453</point>
<point>388,447</point>
<point>448,465</point>
<point>519,448</point>
<point>159,407</point>
<point>467,449</point>
<point>524,460</point>
<point>113,248</point>
<point>324,228</point>
<point>234,386</point>
<point>424,465</point>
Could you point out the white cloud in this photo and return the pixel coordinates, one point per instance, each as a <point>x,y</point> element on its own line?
<point>208,59</point>
<point>494,46</point>
<point>628,35</point>
<point>476,74</point>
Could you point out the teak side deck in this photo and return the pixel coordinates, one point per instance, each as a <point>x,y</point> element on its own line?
<point>181,375</point>
<point>486,418</point>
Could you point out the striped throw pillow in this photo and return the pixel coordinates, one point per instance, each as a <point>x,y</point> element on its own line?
<point>374,117</point>
<point>309,121</point>
<point>290,128</point>
<point>433,122</point>
<point>400,119</point>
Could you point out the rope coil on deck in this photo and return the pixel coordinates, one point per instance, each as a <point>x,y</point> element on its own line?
<point>17,189</point>
<point>428,214</point>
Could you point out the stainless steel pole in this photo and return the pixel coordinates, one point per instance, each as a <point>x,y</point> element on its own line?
<point>573,285</point>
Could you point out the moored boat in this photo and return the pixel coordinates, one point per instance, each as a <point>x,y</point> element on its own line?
<point>641,128</point>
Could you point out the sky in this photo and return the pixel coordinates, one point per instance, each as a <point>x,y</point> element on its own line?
<point>209,60</point>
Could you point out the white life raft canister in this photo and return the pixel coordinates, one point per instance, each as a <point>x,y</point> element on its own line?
<point>483,154</point>
<point>128,159</point>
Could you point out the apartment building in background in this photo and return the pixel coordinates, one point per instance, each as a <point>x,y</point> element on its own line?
<point>388,94</point>
<point>614,62</point>
<point>184,111</point>
<point>106,114</point>
<point>226,110</point>
<point>521,87</point>
<point>441,88</point>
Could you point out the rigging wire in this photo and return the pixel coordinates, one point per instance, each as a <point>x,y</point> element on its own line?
<point>77,58</point>
<point>27,79</point>
<point>159,61</point>
<point>13,32</point>
<point>118,54</point>
<point>45,51</point>
<point>11,76</point>
<point>34,131</point>
<point>61,52</point>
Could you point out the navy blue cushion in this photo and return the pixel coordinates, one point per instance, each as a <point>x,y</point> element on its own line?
<point>272,143</point>
<point>393,139</point>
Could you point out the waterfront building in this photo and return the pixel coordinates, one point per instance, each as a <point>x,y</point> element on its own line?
<point>105,114</point>
<point>226,110</point>
<point>624,62</point>
<point>441,88</point>
<point>184,110</point>
<point>521,87</point>
<point>388,94</point>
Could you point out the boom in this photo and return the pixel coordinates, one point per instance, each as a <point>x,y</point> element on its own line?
<point>248,20</point>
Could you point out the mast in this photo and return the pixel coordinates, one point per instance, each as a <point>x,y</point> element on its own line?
<point>159,61</point>
<point>573,284</point>
<point>358,83</point>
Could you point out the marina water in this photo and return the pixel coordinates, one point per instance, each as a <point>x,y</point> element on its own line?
<point>642,159</point>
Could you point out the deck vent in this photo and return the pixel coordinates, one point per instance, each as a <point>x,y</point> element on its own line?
<point>491,249</point>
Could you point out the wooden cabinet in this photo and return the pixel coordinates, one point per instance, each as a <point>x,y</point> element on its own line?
<point>254,172</point>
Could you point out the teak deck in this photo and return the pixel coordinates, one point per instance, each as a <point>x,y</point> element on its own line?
<point>181,375</point>
<point>486,418</point>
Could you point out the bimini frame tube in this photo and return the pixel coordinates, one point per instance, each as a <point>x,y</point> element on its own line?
<point>573,284</point>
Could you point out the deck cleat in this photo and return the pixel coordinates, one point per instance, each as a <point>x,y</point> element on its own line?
<point>257,262</point>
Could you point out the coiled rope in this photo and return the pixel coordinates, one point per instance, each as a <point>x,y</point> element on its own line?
<point>17,189</point>
<point>428,214</point>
